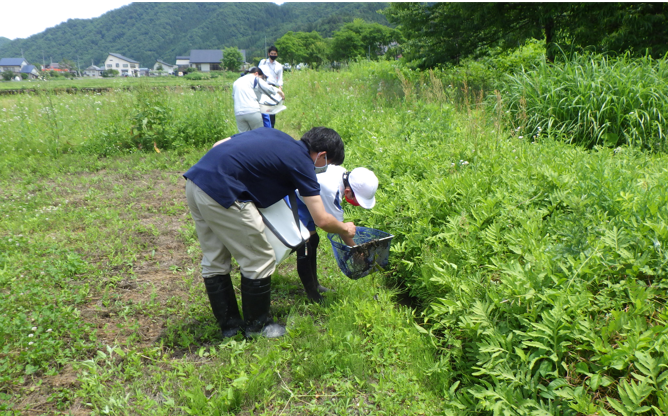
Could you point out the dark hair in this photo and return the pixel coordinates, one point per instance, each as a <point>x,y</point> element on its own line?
<point>323,139</point>
<point>272,48</point>
<point>254,70</point>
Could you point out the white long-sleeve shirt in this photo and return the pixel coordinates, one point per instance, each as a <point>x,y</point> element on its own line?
<point>247,91</point>
<point>273,71</point>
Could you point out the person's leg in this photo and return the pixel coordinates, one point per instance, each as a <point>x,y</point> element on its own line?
<point>272,117</point>
<point>241,230</point>
<point>255,120</point>
<point>266,121</point>
<point>313,242</point>
<point>215,270</point>
<point>242,123</point>
<point>305,271</point>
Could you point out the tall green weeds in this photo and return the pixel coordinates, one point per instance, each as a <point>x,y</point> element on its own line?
<point>593,100</point>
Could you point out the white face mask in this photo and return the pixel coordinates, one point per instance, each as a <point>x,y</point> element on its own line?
<point>320,169</point>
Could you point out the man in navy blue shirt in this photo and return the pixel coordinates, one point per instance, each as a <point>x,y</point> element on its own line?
<point>251,170</point>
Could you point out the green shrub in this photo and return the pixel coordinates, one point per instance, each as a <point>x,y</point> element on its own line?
<point>593,100</point>
<point>197,76</point>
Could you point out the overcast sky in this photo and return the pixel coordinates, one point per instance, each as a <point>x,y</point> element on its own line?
<point>22,19</point>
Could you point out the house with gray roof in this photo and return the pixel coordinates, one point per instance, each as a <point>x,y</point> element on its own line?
<point>163,68</point>
<point>206,60</point>
<point>125,66</point>
<point>31,70</point>
<point>12,64</point>
<point>93,71</point>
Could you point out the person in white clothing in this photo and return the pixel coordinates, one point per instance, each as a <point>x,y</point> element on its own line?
<point>358,188</point>
<point>247,91</point>
<point>273,70</point>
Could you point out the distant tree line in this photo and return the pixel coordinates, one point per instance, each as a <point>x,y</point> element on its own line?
<point>440,33</point>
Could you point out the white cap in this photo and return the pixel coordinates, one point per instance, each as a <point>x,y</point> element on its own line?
<point>364,184</point>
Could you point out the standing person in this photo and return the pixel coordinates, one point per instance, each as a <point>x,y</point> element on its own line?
<point>247,91</point>
<point>239,174</point>
<point>274,72</point>
<point>358,187</point>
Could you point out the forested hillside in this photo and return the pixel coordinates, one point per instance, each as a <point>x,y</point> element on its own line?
<point>150,31</point>
<point>4,40</point>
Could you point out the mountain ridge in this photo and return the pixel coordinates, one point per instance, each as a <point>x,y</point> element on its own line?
<point>150,31</point>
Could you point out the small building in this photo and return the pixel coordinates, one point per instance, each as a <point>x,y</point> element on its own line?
<point>125,66</point>
<point>93,71</point>
<point>163,68</point>
<point>12,64</point>
<point>31,70</point>
<point>143,72</point>
<point>206,60</point>
<point>182,62</point>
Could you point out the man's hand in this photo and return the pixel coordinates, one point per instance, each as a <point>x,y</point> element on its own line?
<point>350,231</point>
<point>279,92</point>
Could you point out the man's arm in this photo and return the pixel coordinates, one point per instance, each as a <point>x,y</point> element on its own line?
<point>220,141</point>
<point>325,220</point>
<point>269,90</point>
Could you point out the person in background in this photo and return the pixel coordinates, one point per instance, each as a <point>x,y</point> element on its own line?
<point>247,91</point>
<point>358,188</point>
<point>224,190</point>
<point>274,72</point>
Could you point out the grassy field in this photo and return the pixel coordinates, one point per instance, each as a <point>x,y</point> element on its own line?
<point>114,82</point>
<point>531,271</point>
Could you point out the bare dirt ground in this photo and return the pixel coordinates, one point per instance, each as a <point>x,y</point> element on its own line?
<point>157,275</point>
<point>154,208</point>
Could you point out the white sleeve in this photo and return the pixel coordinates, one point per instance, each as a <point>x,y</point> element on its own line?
<point>279,76</point>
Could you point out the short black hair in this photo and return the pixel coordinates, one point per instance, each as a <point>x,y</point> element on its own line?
<point>323,139</point>
<point>272,48</point>
<point>254,70</point>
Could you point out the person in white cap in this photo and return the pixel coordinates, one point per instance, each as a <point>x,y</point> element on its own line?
<point>357,187</point>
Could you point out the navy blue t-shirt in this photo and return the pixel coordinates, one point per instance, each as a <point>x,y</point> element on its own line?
<point>261,165</point>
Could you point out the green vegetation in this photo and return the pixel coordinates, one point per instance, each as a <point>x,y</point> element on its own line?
<point>537,268</point>
<point>593,100</point>
<point>150,31</point>
<point>439,33</point>
<point>232,59</point>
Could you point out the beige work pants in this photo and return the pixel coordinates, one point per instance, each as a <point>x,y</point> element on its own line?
<point>225,233</point>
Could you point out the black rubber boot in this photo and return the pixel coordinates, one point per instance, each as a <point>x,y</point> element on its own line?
<point>224,304</point>
<point>305,272</point>
<point>255,302</point>
<point>313,248</point>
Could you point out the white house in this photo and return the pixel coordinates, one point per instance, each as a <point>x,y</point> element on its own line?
<point>182,62</point>
<point>167,69</point>
<point>93,71</point>
<point>12,64</point>
<point>126,66</point>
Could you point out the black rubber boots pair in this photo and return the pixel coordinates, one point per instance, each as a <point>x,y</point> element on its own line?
<point>307,268</point>
<point>255,298</point>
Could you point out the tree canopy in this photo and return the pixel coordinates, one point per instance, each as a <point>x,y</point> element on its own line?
<point>232,59</point>
<point>439,33</point>
<point>307,47</point>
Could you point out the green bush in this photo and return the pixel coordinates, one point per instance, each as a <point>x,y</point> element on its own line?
<point>197,76</point>
<point>593,100</point>
<point>7,75</point>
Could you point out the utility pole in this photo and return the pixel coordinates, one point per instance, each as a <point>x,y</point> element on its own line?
<point>78,69</point>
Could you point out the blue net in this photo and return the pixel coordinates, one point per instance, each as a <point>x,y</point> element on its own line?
<point>371,252</point>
